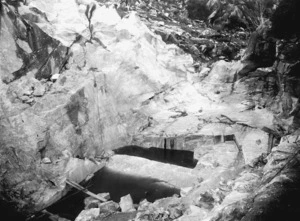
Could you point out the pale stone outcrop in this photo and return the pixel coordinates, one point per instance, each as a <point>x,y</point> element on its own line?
<point>91,107</point>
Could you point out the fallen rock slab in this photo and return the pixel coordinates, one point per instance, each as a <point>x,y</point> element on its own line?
<point>126,204</point>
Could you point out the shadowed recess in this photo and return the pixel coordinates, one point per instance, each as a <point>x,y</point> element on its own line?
<point>177,157</point>
<point>118,185</point>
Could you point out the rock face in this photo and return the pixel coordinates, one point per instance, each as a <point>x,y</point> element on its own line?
<point>92,107</point>
<point>29,50</point>
<point>78,81</point>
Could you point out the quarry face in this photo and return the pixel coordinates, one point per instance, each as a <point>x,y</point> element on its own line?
<point>84,87</point>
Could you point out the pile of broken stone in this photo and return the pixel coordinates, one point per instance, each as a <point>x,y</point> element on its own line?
<point>164,209</point>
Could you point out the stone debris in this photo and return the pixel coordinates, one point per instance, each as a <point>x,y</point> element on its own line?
<point>46,160</point>
<point>109,207</point>
<point>185,191</point>
<point>54,77</point>
<point>92,202</point>
<point>143,205</point>
<point>88,215</point>
<point>163,209</point>
<point>126,204</point>
<point>104,195</point>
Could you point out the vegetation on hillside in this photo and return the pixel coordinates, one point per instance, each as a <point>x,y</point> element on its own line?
<point>231,14</point>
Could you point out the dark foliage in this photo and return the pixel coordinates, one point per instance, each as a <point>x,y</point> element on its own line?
<point>285,19</point>
<point>232,14</point>
<point>15,3</point>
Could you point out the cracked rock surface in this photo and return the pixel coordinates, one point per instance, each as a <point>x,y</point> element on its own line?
<point>77,80</point>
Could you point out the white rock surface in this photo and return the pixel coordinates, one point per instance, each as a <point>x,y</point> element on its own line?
<point>123,85</point>
<point>171,174</point>
<point>126,204</point>
<point>88,215</point>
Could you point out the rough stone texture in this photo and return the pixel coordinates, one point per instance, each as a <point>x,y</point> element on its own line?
<point>262,193</point>
<point>32,50</point>
<point>92,107</point>
<point>77,81</point>
<point>163,209</point>
<point>216,155</point>
<point>88,215</point>
<point>109,207</point>
<point>92,202</point>
<point>126,204</point>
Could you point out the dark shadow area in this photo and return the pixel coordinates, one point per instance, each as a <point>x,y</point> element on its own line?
<point>177,157</point>
<point>8,212</point>
<point>283,205</point>
<point>118,185</point>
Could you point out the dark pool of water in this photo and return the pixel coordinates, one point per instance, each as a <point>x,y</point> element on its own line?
<point>118,185</point>
<point>177,157</point>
